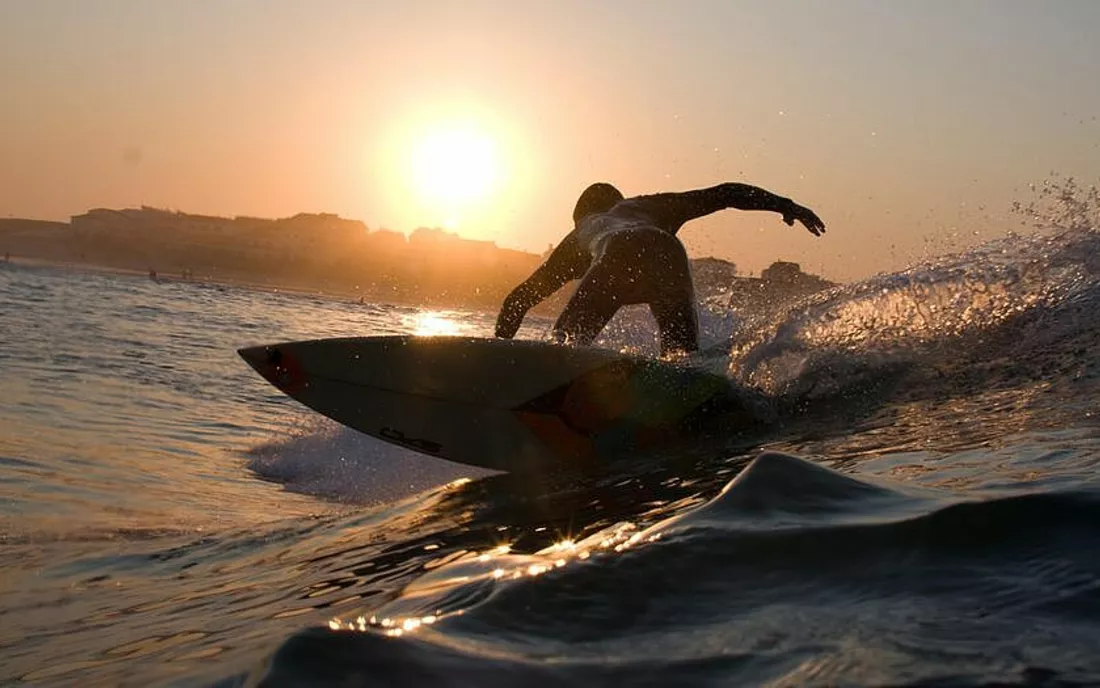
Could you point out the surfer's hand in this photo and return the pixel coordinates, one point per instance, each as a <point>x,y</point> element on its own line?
<point>807,217</point>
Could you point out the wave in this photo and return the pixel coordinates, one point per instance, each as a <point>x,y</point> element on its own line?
<point>1008,313</point>
<point>771,580</point>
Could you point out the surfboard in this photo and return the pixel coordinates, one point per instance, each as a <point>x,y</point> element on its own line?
<point>502,404</point>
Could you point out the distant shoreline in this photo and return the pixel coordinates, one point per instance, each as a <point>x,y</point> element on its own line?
<point>319,254</point>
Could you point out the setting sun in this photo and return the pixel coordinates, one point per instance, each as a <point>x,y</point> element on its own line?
<point>454,168</point>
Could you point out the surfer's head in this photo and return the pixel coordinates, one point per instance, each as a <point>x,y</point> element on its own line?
<point>597,198</point>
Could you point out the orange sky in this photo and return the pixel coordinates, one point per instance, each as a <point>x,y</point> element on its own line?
<point>909,129</point>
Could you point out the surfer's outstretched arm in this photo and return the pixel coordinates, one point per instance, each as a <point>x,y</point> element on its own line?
<point>564,264</point>
<point>675,209</point>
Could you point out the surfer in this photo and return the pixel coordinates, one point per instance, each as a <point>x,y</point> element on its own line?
<point>625,251</point>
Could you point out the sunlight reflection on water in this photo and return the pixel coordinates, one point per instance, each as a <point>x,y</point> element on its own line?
<point>438,323</point>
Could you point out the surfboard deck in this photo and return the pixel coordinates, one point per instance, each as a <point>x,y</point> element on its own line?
<point>502,404</point>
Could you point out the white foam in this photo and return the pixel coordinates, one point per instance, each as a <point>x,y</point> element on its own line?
<point>331,461</point>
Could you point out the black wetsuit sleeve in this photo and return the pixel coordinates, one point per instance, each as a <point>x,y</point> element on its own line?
<point>567,262</point>
<point>671,210</point>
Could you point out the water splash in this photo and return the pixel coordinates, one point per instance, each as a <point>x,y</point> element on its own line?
<point>327,460</point>
<point>1062,204</point>
<point>966,306</point>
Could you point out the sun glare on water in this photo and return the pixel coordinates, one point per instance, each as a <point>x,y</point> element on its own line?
<point>435,324</point>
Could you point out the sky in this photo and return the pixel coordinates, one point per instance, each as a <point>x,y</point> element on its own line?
<point>910,128</point>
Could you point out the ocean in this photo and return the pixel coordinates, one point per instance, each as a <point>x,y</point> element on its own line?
<point>923,510</point>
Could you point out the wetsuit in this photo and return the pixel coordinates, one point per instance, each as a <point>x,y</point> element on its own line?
<point>629,254</point>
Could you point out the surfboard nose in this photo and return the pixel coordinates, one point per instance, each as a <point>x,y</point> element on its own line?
<point>264,360</point>
<point>277,364</point>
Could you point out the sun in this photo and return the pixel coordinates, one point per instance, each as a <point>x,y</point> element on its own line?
<point>461,168</point>
<point>454,167</point>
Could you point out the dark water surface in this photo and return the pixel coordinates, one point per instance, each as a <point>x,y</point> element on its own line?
<point>924,512</point>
